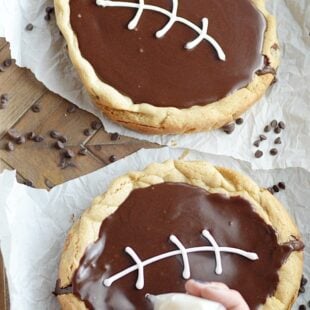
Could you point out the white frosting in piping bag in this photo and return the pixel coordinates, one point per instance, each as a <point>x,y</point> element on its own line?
<point>173,18</point>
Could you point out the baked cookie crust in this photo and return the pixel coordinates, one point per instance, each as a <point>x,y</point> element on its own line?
<point>197,173</point>
<point>149,119</point>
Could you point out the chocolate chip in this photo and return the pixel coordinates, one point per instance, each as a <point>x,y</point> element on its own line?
<point>282,185</point>
<point>275,189</point>
<point>273,152</point>
<point>36,108</point>
<point>87,132</point>
<point>7,63</point>
<point>21,140</point>
<point>267,128</point>
<point>112,159</point>
<point>259,154</point>
<point>282,125</point>
<point>69,153</point>
<point>63,139</point>
<point>49,10</point>
<point>114,136</point>
<point>262,137</point>
<point>48,184</point>
<point>59,145</point>
<point>71,109</point>
<point>301,290</point>
<point>229,128</point>
<point>31,135</point>
<point>10,146</point>
<point>302,307</point>
<point>278,141</point>
<point>4,98</point>
<point>29,27</point>
<point>96,125</point>
<point>274,124</point>
<point>270,189</point>
<point>303,281</point>
<point>28,183</point>
<point>55,134</point>
<point>13,134</point>
<point>83,150</point>
<point>277,130</point>
<point>47,17</point>
<point>257,143</point>
<point>38,138</point>
<point>239,121</point>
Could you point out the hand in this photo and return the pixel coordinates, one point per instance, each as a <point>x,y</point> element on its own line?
<point>218,292</point>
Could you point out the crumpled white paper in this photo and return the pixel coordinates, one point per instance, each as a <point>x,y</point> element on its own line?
<point>34,222</point>
<point>43,51</point>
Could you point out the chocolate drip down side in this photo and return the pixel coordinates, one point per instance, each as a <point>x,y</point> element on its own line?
<point>145,221</point>
<point>161,71</point>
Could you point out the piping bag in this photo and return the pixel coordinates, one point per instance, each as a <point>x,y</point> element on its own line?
<point>179,301</point>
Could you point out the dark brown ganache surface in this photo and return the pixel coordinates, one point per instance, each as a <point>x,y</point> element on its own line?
<point>161,71</point>
<point>146,220</point>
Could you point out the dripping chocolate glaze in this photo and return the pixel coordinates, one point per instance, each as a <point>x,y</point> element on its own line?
<point>146,220</point>
<point>161,71</point>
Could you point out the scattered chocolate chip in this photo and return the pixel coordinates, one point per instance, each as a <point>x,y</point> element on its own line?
<point>262,137</point>
<point>282,185</point>
<point>69,153</point>
<point>282,125</point>
<point>303,281</point>
<point>114,136</point>
<point>301,290</point>
<point>274,124</point>
<point>55,134</point>
<point>273,152</point>
<point>59,145</point>
<point>239,121</point>
<point>63,139</point>
<point>302,307</point>
<point>87,132</point>
<point>30,135</point>
<point>259,154</point>
<point>48,184</point>
<point>28,183</point>
<point>71,109</point>
<point>13,134</point>
<point>267,128</point>
<point>270,189</point>
<point>29,27</point>
<point>229,128</point>
<point>36,108</point>
<point>275,189</point>
<point>278,141</point>
<point>21,140</point>
<point>83,150</point>
<point>10,146</point>
<point>38,138</point>
<point>277,130</point>
<point>112,159</point>
<point>257,143</point>
<point>49,10</point>
<point>96,125</point>
<point>47,17</point>
<point>7,63</point>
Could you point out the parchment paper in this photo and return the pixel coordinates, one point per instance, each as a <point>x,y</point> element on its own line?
<point>34,223</point>
<point>43,51</point>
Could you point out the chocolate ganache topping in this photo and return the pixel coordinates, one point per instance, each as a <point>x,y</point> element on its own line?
<point>145,221</point>
<point>161,71</point>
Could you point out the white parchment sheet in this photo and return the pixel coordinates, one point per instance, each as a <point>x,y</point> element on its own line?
<point>43,51</point>
<point>34,222</point>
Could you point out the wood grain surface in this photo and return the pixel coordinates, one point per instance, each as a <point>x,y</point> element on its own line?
<point>41,164</point>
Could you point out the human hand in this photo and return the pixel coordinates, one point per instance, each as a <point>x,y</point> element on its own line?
<point>218,292</point>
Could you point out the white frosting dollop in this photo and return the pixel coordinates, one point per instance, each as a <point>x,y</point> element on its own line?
<point>178,301</point>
